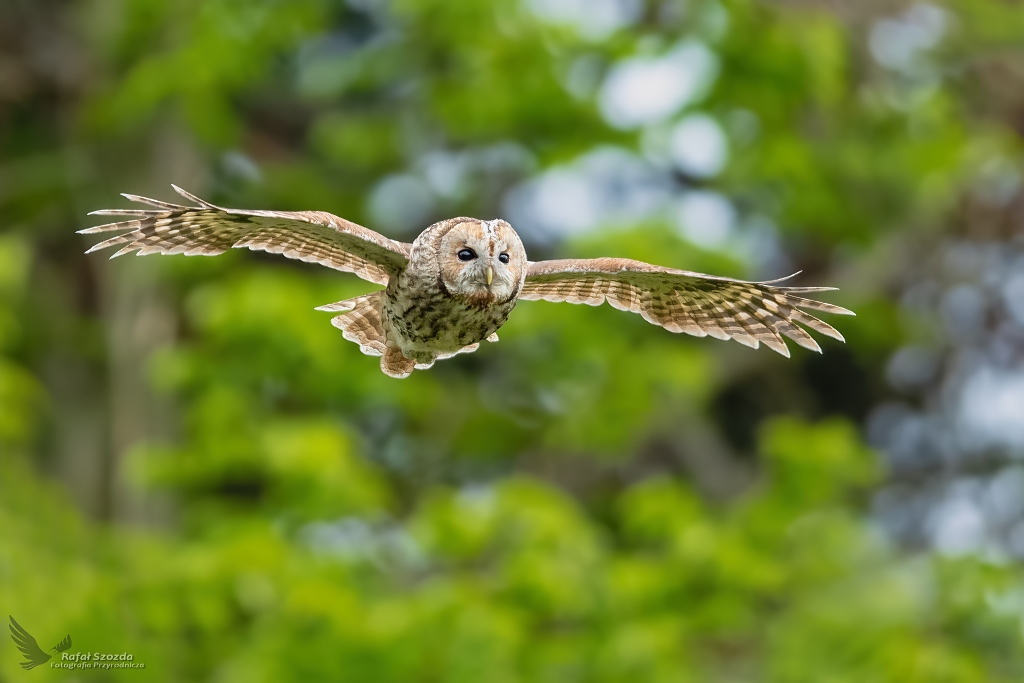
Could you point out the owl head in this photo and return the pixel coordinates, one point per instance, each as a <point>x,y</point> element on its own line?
<point>483,262</point>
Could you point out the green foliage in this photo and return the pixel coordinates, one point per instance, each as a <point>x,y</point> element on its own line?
<point>514,581</point>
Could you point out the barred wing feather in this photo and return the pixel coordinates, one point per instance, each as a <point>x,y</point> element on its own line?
<point>752,313</point>
<point>206,229</point>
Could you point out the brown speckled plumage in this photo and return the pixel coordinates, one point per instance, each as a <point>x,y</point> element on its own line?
<point>436,304</point>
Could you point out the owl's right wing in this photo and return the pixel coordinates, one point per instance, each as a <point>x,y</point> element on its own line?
<point>681,301</point>
<point>312,236</point>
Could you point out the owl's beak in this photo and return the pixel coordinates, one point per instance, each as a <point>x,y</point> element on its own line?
<point>490,275</point>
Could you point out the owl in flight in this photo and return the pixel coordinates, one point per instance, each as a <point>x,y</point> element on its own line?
<point>456,284</point>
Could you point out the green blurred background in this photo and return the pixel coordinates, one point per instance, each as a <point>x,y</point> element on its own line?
<point>196,468</point>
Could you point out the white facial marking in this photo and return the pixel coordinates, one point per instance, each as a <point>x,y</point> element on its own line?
<point>490,228</point>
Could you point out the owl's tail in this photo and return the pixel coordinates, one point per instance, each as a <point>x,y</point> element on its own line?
<point>363,323</point>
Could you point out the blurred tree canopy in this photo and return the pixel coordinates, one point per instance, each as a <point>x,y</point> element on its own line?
<point>196,468</point>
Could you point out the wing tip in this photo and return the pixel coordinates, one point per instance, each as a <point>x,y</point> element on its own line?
<point>780,279</point>
<point>191,197</point>
<point>778,345</point>
<point>837,310</point>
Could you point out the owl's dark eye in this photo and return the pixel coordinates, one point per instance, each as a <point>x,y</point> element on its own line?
<point>466,254</point>
<point>503,257</point>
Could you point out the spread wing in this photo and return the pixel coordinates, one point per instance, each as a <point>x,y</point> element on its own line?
<point>312,236</point>
<point>680,301</point>
<point>27,645</point>
<point>63,645</point>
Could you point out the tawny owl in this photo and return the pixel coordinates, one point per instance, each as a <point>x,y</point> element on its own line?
<point>456,284</point>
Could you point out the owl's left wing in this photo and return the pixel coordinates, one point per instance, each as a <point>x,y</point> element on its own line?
<point>312,236</point>
<point>682,301</point>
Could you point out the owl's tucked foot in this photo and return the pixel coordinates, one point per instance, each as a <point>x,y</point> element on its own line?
<point>426,361</point>
<point>394,363</point>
